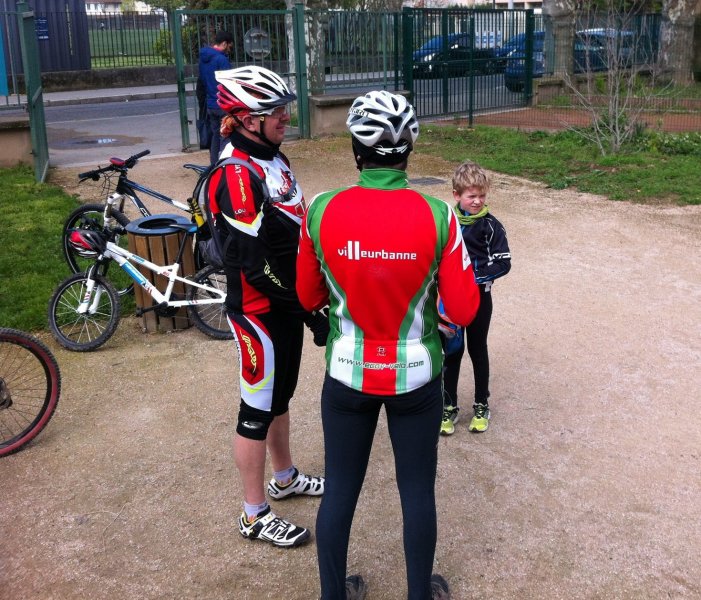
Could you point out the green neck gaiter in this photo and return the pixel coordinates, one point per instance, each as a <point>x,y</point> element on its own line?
<point>470,219</point>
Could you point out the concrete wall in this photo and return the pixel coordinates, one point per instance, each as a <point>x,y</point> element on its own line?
<point>327,114</point>
<point>15,141</point>
<point>62,81</point>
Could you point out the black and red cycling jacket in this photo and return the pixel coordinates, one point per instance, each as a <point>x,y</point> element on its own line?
<point>261,248</point>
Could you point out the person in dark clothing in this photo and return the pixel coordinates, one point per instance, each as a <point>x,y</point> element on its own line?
<point>485,239</point>
<point>214,58</point>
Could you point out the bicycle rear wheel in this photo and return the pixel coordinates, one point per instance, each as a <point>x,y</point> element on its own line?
<point>30,386</point>
<point>89,330</point>
<point>210,319</point>
<point>90,216</point>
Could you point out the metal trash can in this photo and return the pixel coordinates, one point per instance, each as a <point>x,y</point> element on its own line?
<point>155,239</point>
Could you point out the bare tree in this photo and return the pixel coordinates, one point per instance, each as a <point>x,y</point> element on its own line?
<point>612,72</point>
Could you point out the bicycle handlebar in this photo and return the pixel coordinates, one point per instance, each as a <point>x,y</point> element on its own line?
<point>116,164</point>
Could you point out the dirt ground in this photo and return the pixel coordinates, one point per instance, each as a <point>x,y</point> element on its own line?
<point>586,486</point>
<point>548,118</point>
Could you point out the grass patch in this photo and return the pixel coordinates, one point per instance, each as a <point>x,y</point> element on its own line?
<point>649,171</point>
<point>31,262</point>
<point>114,62</point>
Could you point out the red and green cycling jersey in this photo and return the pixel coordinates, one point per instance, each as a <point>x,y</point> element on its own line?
<point>379,253</point>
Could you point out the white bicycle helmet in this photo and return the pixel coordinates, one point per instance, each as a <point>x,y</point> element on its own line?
<point>251,89</point>
<point>383,125</point>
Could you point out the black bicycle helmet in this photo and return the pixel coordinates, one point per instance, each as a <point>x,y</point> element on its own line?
<point>384,127</point>
<point>86,242</point>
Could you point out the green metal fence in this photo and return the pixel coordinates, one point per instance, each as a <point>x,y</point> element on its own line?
<point>454,59</point>
<point>264,38</point>
<point>508,67</point>
<point>348,50</point>
<point>129,40</point>
<point>35,102</point>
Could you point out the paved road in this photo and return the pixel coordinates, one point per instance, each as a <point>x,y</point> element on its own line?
<point>87,127</point>
<point>91,133</point>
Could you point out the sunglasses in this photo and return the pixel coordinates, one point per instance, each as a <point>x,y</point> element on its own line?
<point>278,112</point>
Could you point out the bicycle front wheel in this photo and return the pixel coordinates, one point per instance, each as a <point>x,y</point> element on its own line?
<point>88,330</point>
<point>30,386</point>
<point>90,216</point>
<point>210,319</point>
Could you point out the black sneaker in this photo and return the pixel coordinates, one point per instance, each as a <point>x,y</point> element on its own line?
<point>355,588</point>
<point>271,528</point>
<point>439,588</point>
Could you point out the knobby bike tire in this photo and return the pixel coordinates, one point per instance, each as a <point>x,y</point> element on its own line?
<point>30,386</point>
<point>90,216</point>
<point>83,332</point>
<point>210,319</point>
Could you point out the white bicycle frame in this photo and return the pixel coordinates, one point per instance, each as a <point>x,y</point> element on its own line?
<point>122,257</point>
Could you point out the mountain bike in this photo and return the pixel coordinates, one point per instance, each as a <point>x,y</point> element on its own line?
<point>84,310</point>
<point>30,386</point>
<point>90,216</point>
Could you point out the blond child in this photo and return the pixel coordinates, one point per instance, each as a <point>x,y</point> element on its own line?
<point>485,238</point>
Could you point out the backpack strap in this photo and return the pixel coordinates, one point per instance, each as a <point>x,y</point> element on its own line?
<point>266,194</point>
<point>214,246</point>
<point>232,160</point>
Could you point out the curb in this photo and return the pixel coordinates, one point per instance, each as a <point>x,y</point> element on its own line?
<point>115,98</point>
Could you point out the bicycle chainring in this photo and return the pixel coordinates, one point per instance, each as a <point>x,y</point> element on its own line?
<point>170,311</point>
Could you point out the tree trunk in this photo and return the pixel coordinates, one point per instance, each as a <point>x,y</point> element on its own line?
<point>677,40</point>
<point>559,33</point>
<point>316,31</point>
<point>697,48</point>
<point>289,31</point>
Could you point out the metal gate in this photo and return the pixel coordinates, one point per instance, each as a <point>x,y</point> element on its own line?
<point>452,61</point>
<point>455,59</point>
<point>32,82</point>
<point>265,38</point>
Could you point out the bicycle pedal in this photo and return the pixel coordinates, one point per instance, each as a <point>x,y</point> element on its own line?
<point>164,310</point>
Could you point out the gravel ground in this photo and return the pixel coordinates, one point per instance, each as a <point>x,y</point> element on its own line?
<point>586,485</point>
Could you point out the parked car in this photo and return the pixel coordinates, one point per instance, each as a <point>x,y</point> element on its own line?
<point>511,44</point>
<point>593,50</point>
<point>431,61</point>
<point>515,69</point>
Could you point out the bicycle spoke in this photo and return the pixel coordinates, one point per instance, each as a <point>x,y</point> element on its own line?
<point>210,318</point>
<point>88,330</point>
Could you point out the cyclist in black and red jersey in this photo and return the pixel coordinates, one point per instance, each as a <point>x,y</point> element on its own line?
<point>381,276</point>
<point>260,234</point>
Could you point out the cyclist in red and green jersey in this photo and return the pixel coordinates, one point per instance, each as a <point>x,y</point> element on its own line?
<point>379,253</point>
<point>388,345</point>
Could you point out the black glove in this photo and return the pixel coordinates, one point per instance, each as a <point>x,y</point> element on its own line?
<point>318,323</point>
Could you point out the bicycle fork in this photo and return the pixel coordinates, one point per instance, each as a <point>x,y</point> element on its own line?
<point>91,297</point>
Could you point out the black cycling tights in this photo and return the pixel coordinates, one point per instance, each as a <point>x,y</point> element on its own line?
<point>476,336</point>
<point>349,420</point>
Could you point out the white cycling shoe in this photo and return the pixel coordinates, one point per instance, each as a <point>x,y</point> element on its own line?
<point>301,485</point>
